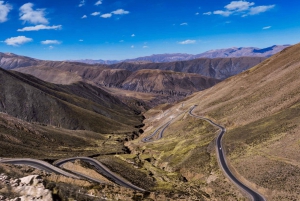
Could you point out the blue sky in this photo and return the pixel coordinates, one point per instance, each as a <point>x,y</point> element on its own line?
<point>110,29</point>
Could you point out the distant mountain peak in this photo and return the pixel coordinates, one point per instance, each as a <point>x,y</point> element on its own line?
<point>215,53</point>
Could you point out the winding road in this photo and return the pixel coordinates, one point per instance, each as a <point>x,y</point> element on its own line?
<point>150,137</point>
<point>255,196</point>
<point>102,170</point>
<point>163,128</point>
<point>42,165</point>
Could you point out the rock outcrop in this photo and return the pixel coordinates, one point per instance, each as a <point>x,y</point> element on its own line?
<point>25,189</point>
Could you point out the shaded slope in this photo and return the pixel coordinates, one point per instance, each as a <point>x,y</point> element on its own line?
<point>31,99</point>
<point>19,138</point>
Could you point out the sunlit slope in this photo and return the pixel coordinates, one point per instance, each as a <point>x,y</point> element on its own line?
<point>260,109</point>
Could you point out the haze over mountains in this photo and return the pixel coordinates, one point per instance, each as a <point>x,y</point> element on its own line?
<point>219,53</point>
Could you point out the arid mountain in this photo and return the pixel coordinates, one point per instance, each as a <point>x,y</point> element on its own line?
<point>219,53</point>
<point>77,106</point>
<point>160,58</point>
<point>91,61</point>
<point>169,83</point>
<point>11,61</point>
<point>219,68</point>
<point>260,109</point>
<point>242,52</point>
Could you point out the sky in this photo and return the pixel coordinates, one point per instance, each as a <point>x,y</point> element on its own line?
<point>124,29</point>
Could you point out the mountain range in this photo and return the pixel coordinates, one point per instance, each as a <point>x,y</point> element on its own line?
<point>57,109</point>
<point>167,81</point>
<point>218,53</point>
<point>218,68</point>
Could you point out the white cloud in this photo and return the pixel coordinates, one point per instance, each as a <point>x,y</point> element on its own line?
<point>267,27</point>
<point>132,35</point>
<point>27,14</point>
<point>4,10</point>
<point>132,46</point>
<point>242,8</point>
<point>40,27</point>
<point>95,13</point>
<point>185,42</point>
<point>106,15</point>
<point>260,9</point>
<point>48,42</point>
<point>207,13</point>
<point>225,13</point>
<point>184,24</point>
<point>83,17</point>
<point>16,41</point>
<point>239,5</point>
<point>197,13</point>
<point>82,3</point>
<point>98,3</point>
<point>121,41</point>
<point>116,12</point>
<point>51,47</point>
<point>120,12</point>
<point>145,46</point>
<point>80,40</point>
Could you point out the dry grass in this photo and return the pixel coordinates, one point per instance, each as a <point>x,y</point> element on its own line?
<point>260,109</point>
<point>183,161</point>
<point>22,139</point>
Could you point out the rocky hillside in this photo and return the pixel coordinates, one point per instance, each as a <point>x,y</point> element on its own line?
<point>219,68</point>
<point>260,110</point>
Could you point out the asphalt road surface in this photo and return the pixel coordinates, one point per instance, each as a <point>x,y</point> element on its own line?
<point>42,165</point>
<point>102,170</point>
<point>162,128</point>
<point>222,161</point>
